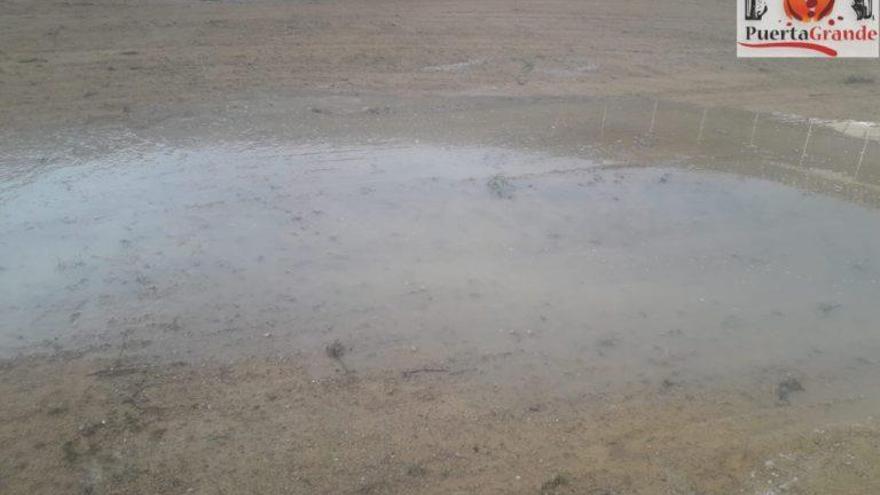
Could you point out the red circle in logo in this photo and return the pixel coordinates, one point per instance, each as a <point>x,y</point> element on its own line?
<point>808,10</point>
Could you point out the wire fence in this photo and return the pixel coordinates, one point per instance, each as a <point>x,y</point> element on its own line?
<point>814,153</point>
<point>840,150</point>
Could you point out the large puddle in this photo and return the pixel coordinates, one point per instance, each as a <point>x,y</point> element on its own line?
<point>398,317</point>
<point>581,273</point>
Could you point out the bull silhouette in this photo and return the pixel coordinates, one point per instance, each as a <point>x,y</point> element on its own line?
<point>754,12</point>
<point>864,10</point>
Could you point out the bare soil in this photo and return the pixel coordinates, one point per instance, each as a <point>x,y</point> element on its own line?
<point>71,63</point>
<point>84,425</point>
<point>135,408</point>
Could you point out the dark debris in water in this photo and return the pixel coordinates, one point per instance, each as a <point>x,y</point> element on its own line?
<point>335,350</point>
<point>787,387</point>
<point>827,309</point>
<point>500,186</point>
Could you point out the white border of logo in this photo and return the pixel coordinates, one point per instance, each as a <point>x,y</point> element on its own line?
<point>849,30</point>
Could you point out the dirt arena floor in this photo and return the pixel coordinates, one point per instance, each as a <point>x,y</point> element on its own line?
<point>74,62</point>
<point>340,246</point>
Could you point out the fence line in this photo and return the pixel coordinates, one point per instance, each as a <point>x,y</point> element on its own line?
<point>724,132</point>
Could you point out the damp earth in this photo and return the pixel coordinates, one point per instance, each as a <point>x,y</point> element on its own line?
<point>399,316</point>
<point>432,247</point>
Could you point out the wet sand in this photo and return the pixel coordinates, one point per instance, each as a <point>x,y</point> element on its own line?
<point>509,321</point>
<point>268,426</point>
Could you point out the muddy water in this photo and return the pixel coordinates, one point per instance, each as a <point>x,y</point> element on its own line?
<point>577,274</point>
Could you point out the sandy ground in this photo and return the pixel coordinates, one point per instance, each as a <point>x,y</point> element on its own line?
<point>133,407</point>
<point>268,427</point>
<point>69,63</point>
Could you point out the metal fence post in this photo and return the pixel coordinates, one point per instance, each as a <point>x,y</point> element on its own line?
<point>754,130</point>
<point>806,144</point>
<point>862,154</point>
<point>702,125</point>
